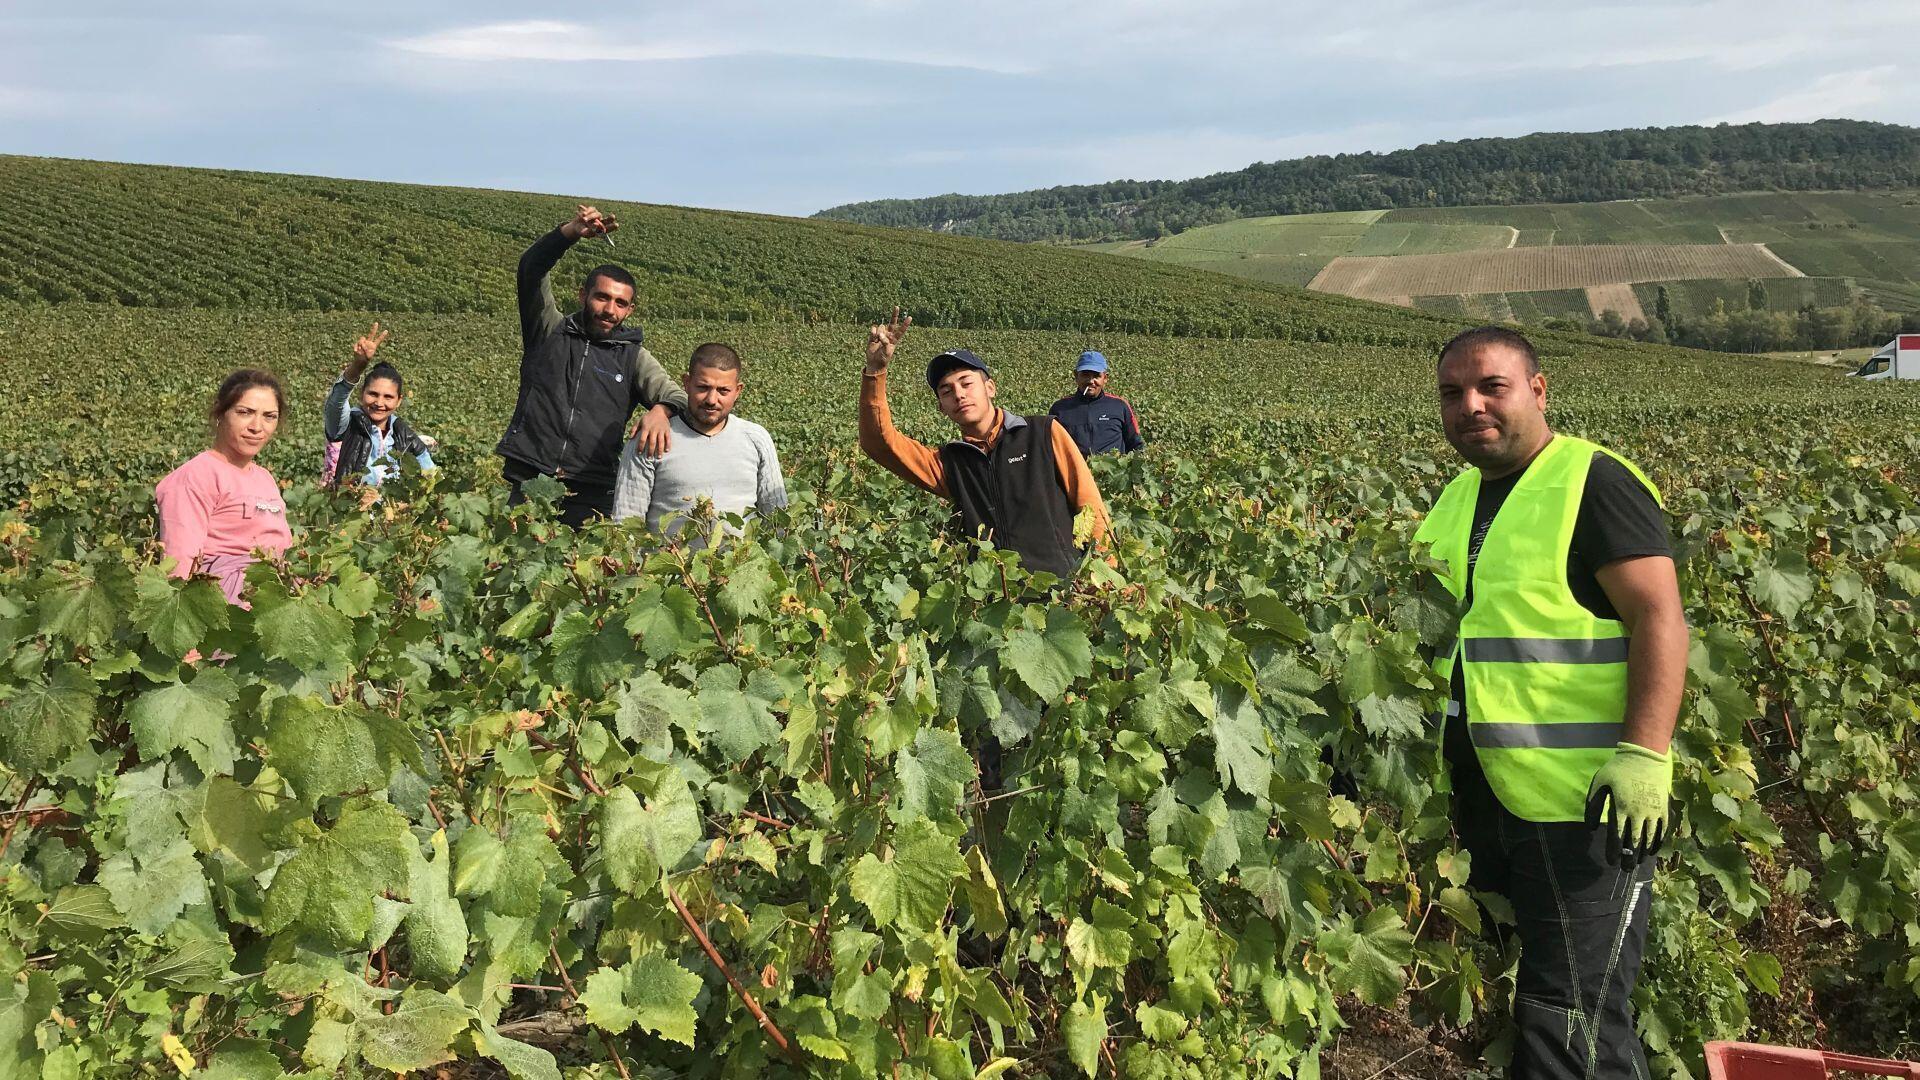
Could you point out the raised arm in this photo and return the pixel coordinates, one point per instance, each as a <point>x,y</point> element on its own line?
<point>915,462</point>
<point>539,315</point>
<point>335,413</point>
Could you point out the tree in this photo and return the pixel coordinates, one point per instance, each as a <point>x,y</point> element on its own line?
<point>1663,308</point>
<point>1756,295</point>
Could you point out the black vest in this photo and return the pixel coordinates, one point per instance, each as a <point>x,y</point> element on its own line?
<point>356,444</point>
<point>1012,495</point>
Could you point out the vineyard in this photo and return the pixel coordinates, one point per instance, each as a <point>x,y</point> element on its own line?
<point>1540,268</point>
<point>1849,244</point>
<point>196,238</point>
<point>471,791</point>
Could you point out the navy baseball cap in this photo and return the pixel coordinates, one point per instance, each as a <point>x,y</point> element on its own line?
<point>1091,361</point>
<point>949,361</point>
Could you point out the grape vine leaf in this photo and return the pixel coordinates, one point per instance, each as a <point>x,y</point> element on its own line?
<point>666,621</point>
<point>653,991</point>
<point>327,750</point>
<point>302,630</point>
<point>82,912</point>
<point>1369,958</point>
<point>192,716</point>
<point>1049,660</point>
<point>912,887</point>
<point>1783,582</point>
<point>418,1033</point>
<point>44,723</point>
<point>24,1005</point>
<point>436,924</point>
<point>224,816</point>
<point>639,843</point>
<point>1084,1028</point>
<point>649,710</point>
<point>1240,742</point>
<point>1173,710</point>
<point>1106,941</point>
<point>523,1061</point>
<point>176,616</point>
<point>82,604</point>
<point>327,887</point>
<point>587,658</point>
<point>512,874</point>
<point>739,721</point>
<point>983,895</point>
<point>931,775</point>
<point>152,888</point>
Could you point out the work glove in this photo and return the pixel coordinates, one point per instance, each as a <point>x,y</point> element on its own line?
<point>1633,790</point>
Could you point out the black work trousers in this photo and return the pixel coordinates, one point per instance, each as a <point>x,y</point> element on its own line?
<point>577,507</point>
<point>1582,925</point>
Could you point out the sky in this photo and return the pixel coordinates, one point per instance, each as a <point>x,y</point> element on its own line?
<point>792,107</point>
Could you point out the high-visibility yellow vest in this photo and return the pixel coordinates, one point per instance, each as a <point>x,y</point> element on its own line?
<point>1546,679</point>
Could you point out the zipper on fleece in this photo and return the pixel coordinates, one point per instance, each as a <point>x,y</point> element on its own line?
<point>573,409</point>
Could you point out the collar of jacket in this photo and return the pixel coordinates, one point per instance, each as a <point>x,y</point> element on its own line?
<point>623,335</point>
<point>1008,422</point>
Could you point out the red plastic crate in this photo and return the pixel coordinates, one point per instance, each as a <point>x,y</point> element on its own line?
<point>1752,1061</point>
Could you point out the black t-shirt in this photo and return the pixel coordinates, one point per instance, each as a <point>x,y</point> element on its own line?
<point>1618,519</point>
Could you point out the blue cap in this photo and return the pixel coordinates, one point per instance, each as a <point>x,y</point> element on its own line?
<point>949,361</point>
<point>1091,361</point>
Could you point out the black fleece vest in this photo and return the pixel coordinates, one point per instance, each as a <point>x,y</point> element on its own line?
<point>1012,495</point>
<point>356,444</point>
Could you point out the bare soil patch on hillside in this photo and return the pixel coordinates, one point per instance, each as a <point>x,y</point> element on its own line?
<point>1619,297</point>
<point>1530,269</point>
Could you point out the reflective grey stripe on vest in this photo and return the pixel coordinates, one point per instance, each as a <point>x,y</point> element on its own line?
<point>1548,736</point>
<point>1536,650</point>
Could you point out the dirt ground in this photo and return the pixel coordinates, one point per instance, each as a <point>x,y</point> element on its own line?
<point>1379,1044</point>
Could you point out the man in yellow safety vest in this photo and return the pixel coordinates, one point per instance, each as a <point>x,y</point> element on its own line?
<point>1566,681</point>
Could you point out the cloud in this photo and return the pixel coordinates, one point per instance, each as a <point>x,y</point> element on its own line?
<point>562,42</point>
<point>1845,93</point>
<point>39,103</point>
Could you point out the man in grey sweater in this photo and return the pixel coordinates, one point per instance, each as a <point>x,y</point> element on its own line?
<point>714,455</point>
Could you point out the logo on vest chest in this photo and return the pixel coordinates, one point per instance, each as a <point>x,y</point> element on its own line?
<point>1016,460</point>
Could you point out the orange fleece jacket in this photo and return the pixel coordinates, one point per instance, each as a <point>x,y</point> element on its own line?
<point>920,465</point>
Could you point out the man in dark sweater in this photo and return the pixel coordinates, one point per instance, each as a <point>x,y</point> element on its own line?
<point>1098,421</point>
<point>582,376</point>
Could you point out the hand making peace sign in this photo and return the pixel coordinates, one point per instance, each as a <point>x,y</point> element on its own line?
<point>363,351</point>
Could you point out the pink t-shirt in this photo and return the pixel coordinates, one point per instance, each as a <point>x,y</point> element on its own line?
<point>211,510</point>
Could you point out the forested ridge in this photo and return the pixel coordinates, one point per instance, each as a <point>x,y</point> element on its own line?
<point>1549,167</point>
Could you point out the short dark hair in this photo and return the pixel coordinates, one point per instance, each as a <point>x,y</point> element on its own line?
<point>384,370</point>
<point>716,356</point>
<point>616,274</point>
<point>1481,336</point>
<point>239,383</point>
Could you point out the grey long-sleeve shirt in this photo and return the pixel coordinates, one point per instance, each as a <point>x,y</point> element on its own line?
<point>736,468</point>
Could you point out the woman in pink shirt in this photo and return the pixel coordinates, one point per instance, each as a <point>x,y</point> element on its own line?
<point>221,507</point>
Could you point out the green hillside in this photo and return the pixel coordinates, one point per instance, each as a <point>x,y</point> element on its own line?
<point>148,236</point>
<point>1849,245</point>
<point>468,792</point>
<point>1550,167</point>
